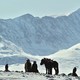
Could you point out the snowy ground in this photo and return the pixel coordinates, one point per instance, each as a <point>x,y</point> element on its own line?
<point>32,76</point>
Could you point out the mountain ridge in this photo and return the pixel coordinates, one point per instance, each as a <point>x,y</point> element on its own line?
<point>42,36</point>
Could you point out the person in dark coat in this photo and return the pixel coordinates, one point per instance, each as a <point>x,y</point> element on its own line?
<point>74,72</point>
<point>34,67</point>
<point>6,68</point>
<point>28,66</point>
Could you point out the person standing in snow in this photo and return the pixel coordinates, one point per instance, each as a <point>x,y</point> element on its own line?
<point>73,73</point>
<point>6,68</point>
<point>28,66</point>
<point>34,67</point>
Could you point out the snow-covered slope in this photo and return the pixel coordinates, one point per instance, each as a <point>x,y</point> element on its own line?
<point>72,52</point>
<point>44,35</point>
<point>12,54</point>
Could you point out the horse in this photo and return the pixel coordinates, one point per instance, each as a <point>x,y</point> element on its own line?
<point>49,64</point>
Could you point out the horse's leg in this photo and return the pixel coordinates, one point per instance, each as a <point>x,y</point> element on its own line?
<point>56,70</point>
<point>46,70</point>
<point>50,70</point>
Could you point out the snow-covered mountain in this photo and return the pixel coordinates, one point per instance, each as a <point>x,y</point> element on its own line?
<point>42,36</point>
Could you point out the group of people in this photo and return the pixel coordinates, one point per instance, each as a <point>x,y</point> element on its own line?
<point>31,67</point>
<point>34,68</point>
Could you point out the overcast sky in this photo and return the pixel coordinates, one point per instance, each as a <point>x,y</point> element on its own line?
<point>15,8</point>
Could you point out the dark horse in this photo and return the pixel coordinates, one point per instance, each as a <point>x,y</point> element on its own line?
<point>49,64</point>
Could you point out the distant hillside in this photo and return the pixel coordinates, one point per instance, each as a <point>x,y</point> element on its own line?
<point>42,36</point>
<point>12,54</point>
